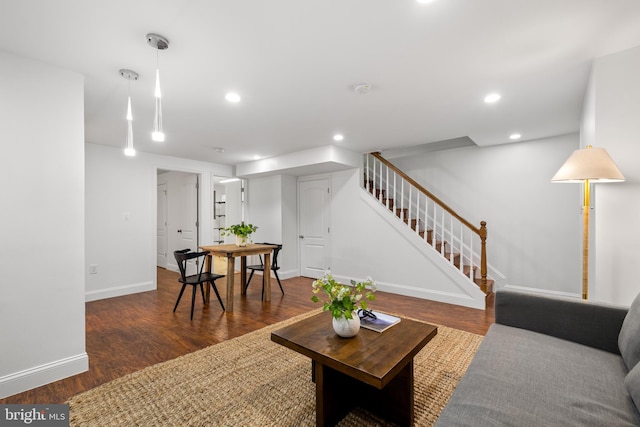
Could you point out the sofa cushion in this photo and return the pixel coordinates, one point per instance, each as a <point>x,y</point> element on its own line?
<point>594,324</point>
<point>632,383</point>
<point>629,337</point>
<point>524,378</point>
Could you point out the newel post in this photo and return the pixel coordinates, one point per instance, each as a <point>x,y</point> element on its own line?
<point>483,254</point>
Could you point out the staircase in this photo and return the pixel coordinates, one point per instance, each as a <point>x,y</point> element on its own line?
<point>461,244</point>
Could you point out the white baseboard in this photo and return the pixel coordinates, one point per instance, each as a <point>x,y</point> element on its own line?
<point>288,274</point>
<point>543,291</point>
<point>44,374</point>
<point>428,294</point>
<point>118,291</point>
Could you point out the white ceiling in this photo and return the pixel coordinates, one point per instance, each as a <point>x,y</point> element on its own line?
<point>294,63</point>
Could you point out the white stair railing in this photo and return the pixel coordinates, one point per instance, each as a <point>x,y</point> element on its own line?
<point>448,233</point>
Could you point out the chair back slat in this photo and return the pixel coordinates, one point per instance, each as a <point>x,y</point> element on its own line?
<point>181,259</point>
<point>201,263</point>
<point>274,259</point>
<point>183,255</point>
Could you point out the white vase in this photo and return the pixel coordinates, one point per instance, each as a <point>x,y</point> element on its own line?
<point>347,328</point>
<point>241,240</point>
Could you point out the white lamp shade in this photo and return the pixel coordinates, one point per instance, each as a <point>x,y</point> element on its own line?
<point>591,163</point>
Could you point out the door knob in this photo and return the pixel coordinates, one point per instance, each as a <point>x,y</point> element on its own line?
<point>301,236</point>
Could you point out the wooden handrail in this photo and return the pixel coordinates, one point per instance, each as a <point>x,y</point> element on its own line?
<point>481,232</point>
<point>427,192</point>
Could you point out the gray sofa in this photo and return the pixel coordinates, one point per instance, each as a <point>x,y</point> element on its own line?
<point>552,362</point>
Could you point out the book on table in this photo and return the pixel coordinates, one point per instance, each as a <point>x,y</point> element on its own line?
<point>381,323</point>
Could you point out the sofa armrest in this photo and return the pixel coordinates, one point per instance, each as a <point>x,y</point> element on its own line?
<point>590,323</point>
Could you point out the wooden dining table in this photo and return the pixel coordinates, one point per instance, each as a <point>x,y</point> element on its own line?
<point>230,252</point>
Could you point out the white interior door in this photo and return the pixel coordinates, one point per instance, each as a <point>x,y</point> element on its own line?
<point>162,235</point>
<point>313,212</point>
<point>187,230</point>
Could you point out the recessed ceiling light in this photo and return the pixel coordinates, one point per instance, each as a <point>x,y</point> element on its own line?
<point>338,137</point>
<point>232,97</point>
<point>256,157</point>
<point>515,136</point>
<point>361,88</point>
<point>491,98</point>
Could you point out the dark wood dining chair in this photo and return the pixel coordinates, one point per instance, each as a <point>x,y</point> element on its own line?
<point>260,267</point>
<point>198,279</point>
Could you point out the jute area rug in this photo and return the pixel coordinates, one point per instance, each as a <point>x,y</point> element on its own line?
<point>251,381</point>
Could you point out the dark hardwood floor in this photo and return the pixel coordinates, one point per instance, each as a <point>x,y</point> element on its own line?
<point>128,333</point>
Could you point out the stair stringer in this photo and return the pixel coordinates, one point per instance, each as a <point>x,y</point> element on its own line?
<point>467,295</point>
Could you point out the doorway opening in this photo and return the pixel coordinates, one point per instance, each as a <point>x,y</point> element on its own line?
<point>178,207</point>
<point>228,209</point>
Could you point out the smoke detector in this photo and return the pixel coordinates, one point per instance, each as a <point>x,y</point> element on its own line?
<point>361,88</point>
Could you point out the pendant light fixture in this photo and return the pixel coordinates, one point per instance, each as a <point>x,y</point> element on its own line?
<point>129,150</point>
<point>159,43</point>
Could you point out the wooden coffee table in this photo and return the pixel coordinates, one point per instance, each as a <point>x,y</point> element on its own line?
<point>372,370</point>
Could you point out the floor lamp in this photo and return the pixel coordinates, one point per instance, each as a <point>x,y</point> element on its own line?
<point>587,166</point>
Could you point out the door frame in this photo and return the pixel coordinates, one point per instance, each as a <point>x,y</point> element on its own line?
<point>165,208</point>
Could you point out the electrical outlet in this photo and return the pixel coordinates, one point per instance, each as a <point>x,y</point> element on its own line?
<point>93,268</point>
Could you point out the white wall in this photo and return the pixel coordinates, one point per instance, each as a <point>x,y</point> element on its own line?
<point>125,251</point>
<point>265,207</point>
<point>233,206</point>
<point>534,226</point>
<point>272,206</point>
<point>288,258</point>
<point>42,215</point>
<point>614,120</point>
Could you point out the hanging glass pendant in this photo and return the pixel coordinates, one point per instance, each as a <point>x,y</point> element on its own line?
<point>129,150</point>
<point>159,43</point>
<point>157,134</point>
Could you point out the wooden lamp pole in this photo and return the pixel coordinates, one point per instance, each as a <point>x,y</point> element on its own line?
<point>585,238</point>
